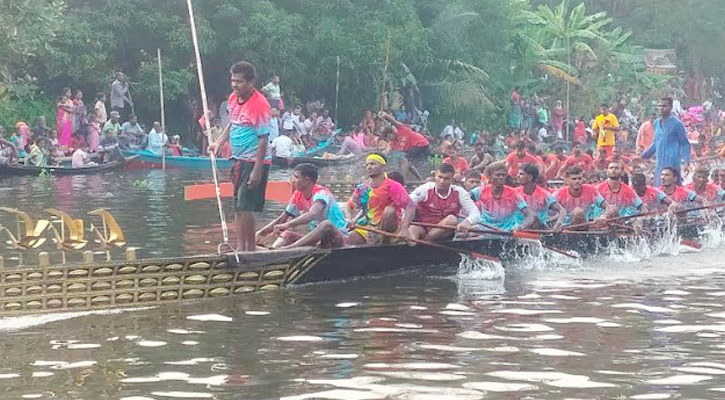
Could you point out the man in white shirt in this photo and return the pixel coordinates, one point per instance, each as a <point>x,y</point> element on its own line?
<point>80,158</point>
<point>281,146</point>
<point>157,139</point>
<point>273,92</point>
<point>273,124</point>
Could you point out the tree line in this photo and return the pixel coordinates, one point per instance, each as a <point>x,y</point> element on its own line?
<point>464,55</point>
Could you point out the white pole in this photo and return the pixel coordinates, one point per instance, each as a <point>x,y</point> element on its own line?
<point>207,125</point>
<point>337,92</point>
<point>163,114</point>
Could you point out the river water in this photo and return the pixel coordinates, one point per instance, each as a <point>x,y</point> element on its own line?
<point>620,326</point>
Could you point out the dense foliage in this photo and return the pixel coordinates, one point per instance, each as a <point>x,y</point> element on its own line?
<point>465,55</point>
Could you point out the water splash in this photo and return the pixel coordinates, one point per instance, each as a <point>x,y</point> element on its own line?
<point>479,269</point>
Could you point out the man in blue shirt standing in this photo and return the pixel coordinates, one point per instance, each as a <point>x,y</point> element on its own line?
<point>670,143</point>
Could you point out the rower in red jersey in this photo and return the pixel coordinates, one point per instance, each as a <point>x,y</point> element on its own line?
<point>582,202</point>
<point>678,194</point>
<point>539,200</point>
<point>501,206</point>
<point>711,192</point>
<point>579,159</point>
<point>440,203</point>
<point>553,163</point>
<point>622,199</point>
<point>601,162</point>
<point>516,159</point>
<point>652,197</point>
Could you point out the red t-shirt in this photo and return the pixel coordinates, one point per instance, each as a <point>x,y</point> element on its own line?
<point>407,139</point>
<point>580,132</point>
<point>653,198</point>
<point>552,163</point>
<point>583,161</point>
<point>712,193</point>
<point>461,165</point>
<point>680,194</point>
<point>626,199</point>
<point>588,198</point>
<point>514,162</point>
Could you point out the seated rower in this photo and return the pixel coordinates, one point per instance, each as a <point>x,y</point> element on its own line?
<point>711,192</point>
<point>539,200</point>
<point>37,156</point>
<point>501,206</point>
<point>622,199</point>
<point>577,159</point>
<point>582,202</point>
<point>378,202</point>
<point>652,197</point>
<point>459,163</point>
<point>678,194</point>
<point>80,158</point>
<point>471,180</point>
<point>481,158</point>
<point>311,204</point>
<point>440,203</point>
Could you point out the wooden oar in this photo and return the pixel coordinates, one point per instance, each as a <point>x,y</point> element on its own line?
<point>642,215</point>
<point>499,232</point>
<point>430,244</point>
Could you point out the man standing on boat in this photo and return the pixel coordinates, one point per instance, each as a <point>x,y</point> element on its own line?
<point>377,203</point>
<point>582,202</point>
<point>501,206</point>
<point>539,200</point>
<point>248,129</point>
<point>670,145</point>
<point>310,204</point>
<point>440,203</point>
<point>621,198</point>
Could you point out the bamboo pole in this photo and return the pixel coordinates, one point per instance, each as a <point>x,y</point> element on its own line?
<point>385,74</point>
<point>163,114</point>
<point>337,92</point>
<point>205,105</point>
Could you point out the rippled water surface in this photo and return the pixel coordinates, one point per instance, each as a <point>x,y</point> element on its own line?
<point>615,327</point>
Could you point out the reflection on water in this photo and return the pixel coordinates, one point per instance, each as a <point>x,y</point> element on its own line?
<point>644,329</point>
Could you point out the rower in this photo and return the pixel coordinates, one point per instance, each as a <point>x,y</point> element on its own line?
<point>540,200</point>
<point>440,203</point>
<point>553,163</point>
<point>711,192</point>
<point>471,180</point>
<point>622,199</point>
<point>414,145</point>
<point>311,204</point>
<point>379,200</point>
<point>578,159</point>
<point>675,192</point>
<point>516,159</point>
<point>582,202</point>
<point>652,197</point>
<point>502,206</point>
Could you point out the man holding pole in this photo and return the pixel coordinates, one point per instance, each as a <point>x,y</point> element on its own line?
<point>247,131</point>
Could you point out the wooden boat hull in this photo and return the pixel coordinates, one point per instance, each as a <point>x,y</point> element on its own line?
<point>146,159</point>
<point>28,170</point>
<point>141,283</point>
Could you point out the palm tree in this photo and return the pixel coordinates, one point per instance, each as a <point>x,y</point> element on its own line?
<point>560,32</point>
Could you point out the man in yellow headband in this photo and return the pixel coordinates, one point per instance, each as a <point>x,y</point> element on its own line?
<point>380,200</point>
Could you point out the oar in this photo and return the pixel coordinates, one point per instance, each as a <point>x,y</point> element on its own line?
<point>642,215</point>
<point>496,231</point>
<point>430,244</point>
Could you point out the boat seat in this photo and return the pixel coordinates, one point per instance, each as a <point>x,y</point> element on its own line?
<point>112,235</point>
<point>31,239</point>
<point>74,227</point>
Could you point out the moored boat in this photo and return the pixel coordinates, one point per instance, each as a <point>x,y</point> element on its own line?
<point>149,160</point>
<point>62,169</point>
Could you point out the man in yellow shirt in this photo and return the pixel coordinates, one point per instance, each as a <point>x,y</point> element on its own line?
<point>605,125</point>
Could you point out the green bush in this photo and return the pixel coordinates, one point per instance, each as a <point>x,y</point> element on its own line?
<point>27,110</point>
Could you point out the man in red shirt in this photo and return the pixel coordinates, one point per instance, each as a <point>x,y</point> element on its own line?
<point>645,135</point>
<point>459,163</point>
<point>622,199</point>
<point>602,161</point>
<point>553,163</point>
<point>440,203</point>
<point>652,197</point>
<point>577,159</point>
<point>520,157</point>
<point>712,193</point>
<point>581,201</point>
<point>539,200</point>
<point>414,145</point>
